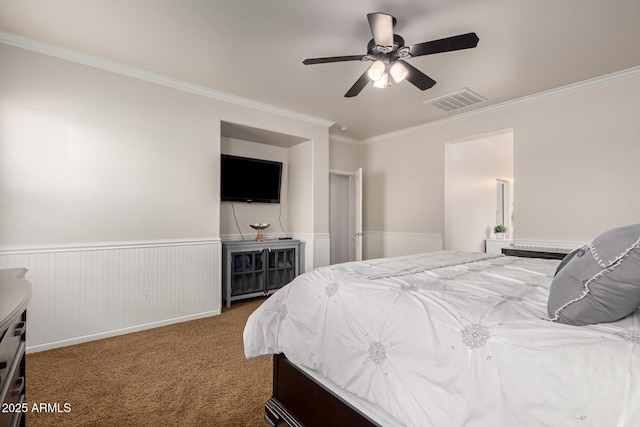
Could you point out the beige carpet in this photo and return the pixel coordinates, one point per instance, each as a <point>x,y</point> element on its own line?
<point>188,374</point>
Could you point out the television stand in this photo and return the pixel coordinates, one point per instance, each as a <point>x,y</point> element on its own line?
<point>252,269</point>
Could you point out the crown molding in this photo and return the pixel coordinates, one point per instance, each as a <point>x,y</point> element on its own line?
<point>141,74</point>
<point>597,81</point>
<point>151,77</point>
<point>344,139</point>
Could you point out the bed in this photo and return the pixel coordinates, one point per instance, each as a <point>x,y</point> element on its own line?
<point>441,339</point>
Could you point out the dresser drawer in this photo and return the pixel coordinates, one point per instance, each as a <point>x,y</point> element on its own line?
<point>13,392</point>
<point>9,343</point>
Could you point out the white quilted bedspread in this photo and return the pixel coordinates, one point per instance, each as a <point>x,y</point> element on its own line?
<point>448,339</point>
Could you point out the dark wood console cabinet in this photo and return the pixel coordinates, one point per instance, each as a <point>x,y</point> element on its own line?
<point>15,293</point>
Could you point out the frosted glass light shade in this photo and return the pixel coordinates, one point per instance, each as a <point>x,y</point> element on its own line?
<point>398,72</point>
<point>382,82</point>
<point>376,71</point>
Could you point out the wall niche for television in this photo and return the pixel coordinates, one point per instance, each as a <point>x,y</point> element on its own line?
<point>244,142</point>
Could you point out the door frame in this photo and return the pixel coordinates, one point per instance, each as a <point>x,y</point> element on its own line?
<point>355,251</point>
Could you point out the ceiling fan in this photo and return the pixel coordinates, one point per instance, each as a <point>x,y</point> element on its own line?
<point>388,53</point>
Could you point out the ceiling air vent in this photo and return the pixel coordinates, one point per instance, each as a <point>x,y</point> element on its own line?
<point>454,100</point>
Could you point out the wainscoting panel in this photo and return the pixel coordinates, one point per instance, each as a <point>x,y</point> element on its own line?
<point>380,244</point>
<point>314,250</point>
<point>546,245</point>
<point>83,292</point>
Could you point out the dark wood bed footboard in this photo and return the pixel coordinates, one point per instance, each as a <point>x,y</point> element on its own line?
<point>298,400</point>
<point>536,253</point>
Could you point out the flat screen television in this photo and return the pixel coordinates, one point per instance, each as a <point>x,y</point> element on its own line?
<point>243,179</point>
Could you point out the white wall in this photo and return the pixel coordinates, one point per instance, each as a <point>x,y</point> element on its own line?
<point>403,196</point>
<point>575,165</point>
<point>91,156</point>
<point>109,183</point>
<point>303,215</point>
<point>344,156</point>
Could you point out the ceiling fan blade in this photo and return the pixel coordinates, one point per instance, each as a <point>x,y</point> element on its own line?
<point>462,41</point>
<point>417,77</point>
<point>382,29</point>
<point>311,61</point>
<point>358,85</point>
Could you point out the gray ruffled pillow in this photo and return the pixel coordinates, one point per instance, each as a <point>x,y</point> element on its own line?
<point>599,282</point>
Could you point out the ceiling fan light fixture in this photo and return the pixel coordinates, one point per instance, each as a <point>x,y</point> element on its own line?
<point>398,72</point>
<point>377,70</point>
<point>382,82</point>
<point>386,49</point>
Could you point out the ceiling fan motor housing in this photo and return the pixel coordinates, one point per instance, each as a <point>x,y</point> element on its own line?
<point>376,52</point>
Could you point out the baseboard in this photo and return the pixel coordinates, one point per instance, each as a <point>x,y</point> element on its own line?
<point>115,333</point>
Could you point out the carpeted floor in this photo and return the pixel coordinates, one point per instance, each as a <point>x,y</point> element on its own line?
<point>188,374</point>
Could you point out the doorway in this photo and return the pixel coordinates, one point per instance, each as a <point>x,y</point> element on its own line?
<point>345,216</point>
<point>474,166</point>
<point>503,203</point>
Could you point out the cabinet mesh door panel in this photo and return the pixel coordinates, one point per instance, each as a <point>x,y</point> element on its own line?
<point>247,274</point>
<point>281,268</point>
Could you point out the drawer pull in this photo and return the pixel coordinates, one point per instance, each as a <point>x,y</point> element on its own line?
<point>3,365</point>
<point>20,328</point>
<point>20,387</point>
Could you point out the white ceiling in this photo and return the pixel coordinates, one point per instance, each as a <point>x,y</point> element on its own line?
<point>254,48</point>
